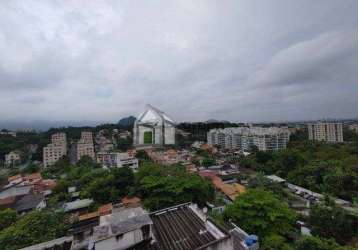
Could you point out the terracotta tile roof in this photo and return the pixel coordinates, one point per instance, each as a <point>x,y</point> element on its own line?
<point>12,178</point>
<point>240,188</point>
<point>88,216</point>
<point>231,190</point>
<point>34,176</point>
<point>7,201</point>
<point>105,209</point>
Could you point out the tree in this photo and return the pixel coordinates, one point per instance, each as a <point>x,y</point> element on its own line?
<point>162,186</point>
<point>85,161</point>
<point>275,242</point>
<point>315,243</point>
<point>102,190</point>
<point>123,179</point>
<point>260,212</point>
<point>33,228</point>
<point>7,217</point>
<point>31,168</point>
<point>331,222</point>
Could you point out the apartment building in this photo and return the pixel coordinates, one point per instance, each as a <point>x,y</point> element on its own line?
<point>59,139</point>
<point>83,147</point>
<point>55,150</point>
<point>243,138</point>
<point>118,160</point>
<point>87,137</point>
<point>326,131</point>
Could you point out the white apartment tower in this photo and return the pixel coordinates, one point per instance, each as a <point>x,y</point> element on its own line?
<point>244,138</point>
<point>326,131</point>
<point>55,150</point>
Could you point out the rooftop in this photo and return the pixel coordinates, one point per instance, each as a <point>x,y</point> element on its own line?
<point>128,219</point>
<point>180,227</point>
<point>77,204</point>
<point>27,202</point>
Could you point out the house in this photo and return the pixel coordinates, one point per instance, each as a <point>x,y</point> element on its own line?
<point>30,202</point>
<point>129,228</point>
<point>231,191</point>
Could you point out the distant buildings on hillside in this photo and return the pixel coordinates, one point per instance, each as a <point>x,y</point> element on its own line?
<point>244,138</point>
<point>326,131</point>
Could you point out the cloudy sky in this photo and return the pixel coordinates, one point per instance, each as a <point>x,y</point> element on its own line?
<point>239,60</point>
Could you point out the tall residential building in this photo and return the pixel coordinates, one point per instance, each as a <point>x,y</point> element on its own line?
<point>326,131</point>
<point>55,150</point>
<point>244,138</point>
<point>83,147</point>
<point>86,137</point>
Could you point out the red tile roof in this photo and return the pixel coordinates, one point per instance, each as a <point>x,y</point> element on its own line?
<point>7,201</point>
<point>105,209</point>
<point>12,178</point>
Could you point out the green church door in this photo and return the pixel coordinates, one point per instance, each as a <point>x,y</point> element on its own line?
<point>148,137</point>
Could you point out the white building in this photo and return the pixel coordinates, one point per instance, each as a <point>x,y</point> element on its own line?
<point>55,150</point>
<point>13,158</point>
<point>243,138</point>
<point>153,127</point>
<point>125,229</point>
<point>118,160</point>
<point>326,131</point>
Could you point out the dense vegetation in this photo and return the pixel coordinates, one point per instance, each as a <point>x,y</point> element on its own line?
<point>34,227</point>
<point>159,186</point>
<point>162,186</point>
<point>325,168</point>
<point>259,211</point>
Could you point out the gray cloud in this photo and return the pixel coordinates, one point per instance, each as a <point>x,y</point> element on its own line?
<point>239,60</point>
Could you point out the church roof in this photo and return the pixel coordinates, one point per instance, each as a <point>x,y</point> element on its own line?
<point>153,115</point>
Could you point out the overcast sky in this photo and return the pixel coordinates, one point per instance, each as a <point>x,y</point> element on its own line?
<point>239,60</point>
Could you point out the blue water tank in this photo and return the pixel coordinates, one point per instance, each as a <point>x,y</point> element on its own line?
<point>251,239</point>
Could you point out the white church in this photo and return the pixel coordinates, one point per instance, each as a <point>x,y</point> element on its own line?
<point>153,128</point>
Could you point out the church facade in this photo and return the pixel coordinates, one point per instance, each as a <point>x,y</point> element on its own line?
<point>153,127</point>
